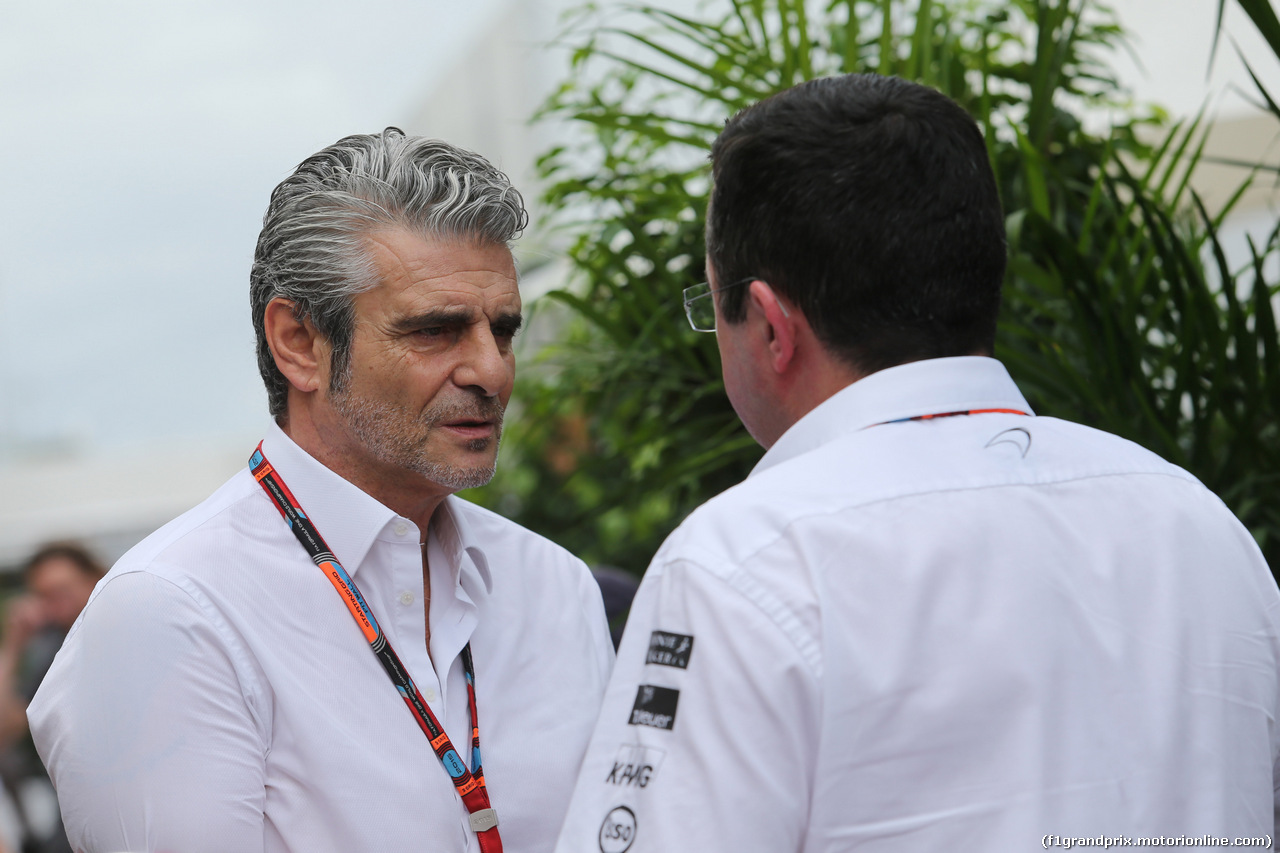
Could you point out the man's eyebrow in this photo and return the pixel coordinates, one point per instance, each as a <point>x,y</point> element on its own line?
<point>508,322</point>
<point>459,316</point>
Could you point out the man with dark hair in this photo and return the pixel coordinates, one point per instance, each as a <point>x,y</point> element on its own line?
<point>58,579</point>
<point>928,620</point>
<point>312,658</point>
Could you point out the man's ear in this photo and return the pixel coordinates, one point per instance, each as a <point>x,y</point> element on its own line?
<point>298,347</point>
<point>781,324</point>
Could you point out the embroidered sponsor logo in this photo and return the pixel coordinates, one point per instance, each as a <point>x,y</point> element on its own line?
<point>669,649</point>
<point>655,706</point>
<point>635,766</point>
<point>618,830</point>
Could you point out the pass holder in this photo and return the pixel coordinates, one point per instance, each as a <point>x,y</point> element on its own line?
<point>468,783</point>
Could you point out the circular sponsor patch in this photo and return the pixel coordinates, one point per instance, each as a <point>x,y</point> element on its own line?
<point>618,830</point>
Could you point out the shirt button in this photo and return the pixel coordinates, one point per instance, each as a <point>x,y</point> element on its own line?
<point>401,528</point>
<point>429,694</point>
<point>406,598</point>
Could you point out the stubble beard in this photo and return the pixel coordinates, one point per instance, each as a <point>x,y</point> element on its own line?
<point>399,440</point>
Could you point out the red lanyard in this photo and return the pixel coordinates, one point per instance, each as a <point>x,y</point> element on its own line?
<point>954,414</point>
<point>470,784</point>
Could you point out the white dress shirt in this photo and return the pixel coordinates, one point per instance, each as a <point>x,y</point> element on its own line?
<point>216,694</point>
<point>963,633</point>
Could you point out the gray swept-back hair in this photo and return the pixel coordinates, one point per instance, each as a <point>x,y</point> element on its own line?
<point>312,247</point>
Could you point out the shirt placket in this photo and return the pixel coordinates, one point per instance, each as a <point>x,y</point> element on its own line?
<point>453,620</point>
<point>400,606</point>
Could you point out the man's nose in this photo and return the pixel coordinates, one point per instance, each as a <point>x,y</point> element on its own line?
<point>485,365</point>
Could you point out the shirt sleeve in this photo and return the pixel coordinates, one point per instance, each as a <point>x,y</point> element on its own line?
<point>708,733</point>
<point>145,729</point>
<point>598,622</point>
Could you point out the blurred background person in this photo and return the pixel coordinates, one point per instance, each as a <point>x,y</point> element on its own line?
<point>57,582</point>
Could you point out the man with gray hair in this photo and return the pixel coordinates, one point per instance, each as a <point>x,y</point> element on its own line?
<point>299,662</point>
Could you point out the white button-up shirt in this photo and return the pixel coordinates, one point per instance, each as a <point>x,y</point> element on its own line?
<point>962,633</point>
<point>216,694</point>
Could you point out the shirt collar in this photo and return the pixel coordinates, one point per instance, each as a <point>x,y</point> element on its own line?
<point>928,387</point>
<point>461,547</point>
<point>349,519</point>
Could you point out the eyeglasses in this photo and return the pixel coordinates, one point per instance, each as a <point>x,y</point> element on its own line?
<point>700,308</point>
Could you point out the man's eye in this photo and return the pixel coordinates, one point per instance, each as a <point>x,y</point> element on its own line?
<point>433,331</point>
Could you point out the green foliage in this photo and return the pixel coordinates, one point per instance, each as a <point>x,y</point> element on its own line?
<point>1121,311</point>
<point>1134,322</point>
<point>1263,16</point>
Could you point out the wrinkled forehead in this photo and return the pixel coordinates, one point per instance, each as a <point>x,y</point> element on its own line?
<point>411,271</point>
<point>391,246</point>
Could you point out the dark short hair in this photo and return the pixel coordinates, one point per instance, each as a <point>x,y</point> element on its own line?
<point>76,554</point>
<point>869,203</point>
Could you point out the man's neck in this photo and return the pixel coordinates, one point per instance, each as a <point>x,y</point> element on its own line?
<point>815,377</point>
<point>397,497</point>
<point>406,493</point>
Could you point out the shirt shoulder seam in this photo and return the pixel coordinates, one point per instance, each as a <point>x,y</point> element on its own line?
<point>254,696</point>
<point>944,489</point>
<point>770,606</point>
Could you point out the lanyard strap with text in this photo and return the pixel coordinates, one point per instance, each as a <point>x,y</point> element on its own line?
<point>470,784</point>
